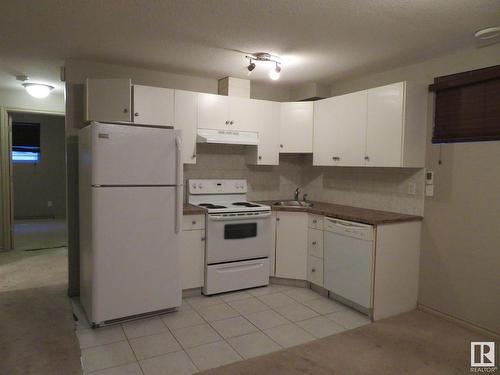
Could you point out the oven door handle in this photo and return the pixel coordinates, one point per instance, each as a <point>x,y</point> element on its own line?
<point>215,217</point>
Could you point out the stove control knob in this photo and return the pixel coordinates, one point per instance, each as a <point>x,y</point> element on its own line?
<point>199,186</point>
<point>193,186</point>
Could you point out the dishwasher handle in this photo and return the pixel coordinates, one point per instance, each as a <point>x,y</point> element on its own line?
<point>347,224</point>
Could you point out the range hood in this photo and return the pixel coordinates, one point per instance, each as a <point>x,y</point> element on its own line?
<point>231,137</point>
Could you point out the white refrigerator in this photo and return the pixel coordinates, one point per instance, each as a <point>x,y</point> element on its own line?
<point>130,186</point>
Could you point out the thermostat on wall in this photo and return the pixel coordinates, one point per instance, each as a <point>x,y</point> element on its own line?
<point>429,177</point>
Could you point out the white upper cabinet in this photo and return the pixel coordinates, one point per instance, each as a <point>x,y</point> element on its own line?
<point>186,103</point>
<point>242,114</point>
<point>213,111</point>
<point>396,126</point>
<point>108,100</point>
<point>380,127</point>
<point>153,105</point>
<point>267,122</point>
<point>225,113</point>
<point>339,130</point>
<point>296,127</point>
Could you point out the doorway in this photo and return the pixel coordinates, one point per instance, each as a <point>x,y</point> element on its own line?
<point>38,181</point>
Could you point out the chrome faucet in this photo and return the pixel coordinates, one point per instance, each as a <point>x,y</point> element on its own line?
<point>296,195</point>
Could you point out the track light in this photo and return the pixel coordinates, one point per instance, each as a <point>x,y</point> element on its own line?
<point>275,73</point>
<point>265,57</point>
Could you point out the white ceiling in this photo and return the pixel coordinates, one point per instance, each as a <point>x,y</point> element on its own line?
<point>319,40</point>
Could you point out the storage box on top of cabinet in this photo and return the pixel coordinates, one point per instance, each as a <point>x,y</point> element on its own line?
<point>380,127</point>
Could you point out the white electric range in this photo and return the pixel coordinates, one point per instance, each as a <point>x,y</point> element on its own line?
<point>239,236</point>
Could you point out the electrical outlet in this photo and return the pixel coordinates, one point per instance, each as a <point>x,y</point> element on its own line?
<point>412,188</point>
<point>50,203</point>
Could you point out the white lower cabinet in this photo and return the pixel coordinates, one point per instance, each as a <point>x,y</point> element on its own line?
<point>315,270</point>
<point>192,252</point>
<point>291,245</point>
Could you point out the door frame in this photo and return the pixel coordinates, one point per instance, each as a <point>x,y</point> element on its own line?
<point>6,196</point>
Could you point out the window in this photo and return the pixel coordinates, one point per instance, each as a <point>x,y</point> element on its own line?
<point>25,142</point>
<point>467,106</point>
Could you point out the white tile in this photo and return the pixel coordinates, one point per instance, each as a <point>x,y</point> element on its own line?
<point>253,345</point>
<point>248,306</point>
<point>349,318</point>
<point>266,319</point>
<point>231,327</point>
<point>301,294</point>
<point>198,335</point>
<point>236,296</point>
<point>177,363</point>
<point>130,369</point>
<point>272,288</point>
<point>144,327</point>
<point>213,355</point>
<point>289,335</point>
<point>153,345</point>
<point>100,336</point>
<point>104,356</point>
<point>320,326</point>
<point>276,299</point>
<point>203,301</point>
<point>218,312</point>
<point>296,311</point>
<point>182,319</point>
<point>324,305</point>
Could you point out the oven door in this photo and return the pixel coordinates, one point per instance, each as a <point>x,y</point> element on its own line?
<point>238,237</point>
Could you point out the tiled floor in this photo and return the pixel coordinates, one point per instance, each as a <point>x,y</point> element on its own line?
<point>209,332</point>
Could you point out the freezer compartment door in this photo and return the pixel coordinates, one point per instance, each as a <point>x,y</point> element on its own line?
<point>133,155</point>
<point>136,251</point>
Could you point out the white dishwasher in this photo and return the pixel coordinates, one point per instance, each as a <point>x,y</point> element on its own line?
<point>348,260</point>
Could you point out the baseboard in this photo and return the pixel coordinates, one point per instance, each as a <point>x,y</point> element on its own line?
<point>458,321</point>
<point>288,282</point>
<point>193,292</point>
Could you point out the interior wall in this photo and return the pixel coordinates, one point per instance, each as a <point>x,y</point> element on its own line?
<point>76,73</point>
<point>35,184</point>
<point>460,255</point>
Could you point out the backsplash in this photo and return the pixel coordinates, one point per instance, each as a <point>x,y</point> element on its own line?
<point>376,188</point>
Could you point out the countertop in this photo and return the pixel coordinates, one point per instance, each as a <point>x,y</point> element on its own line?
<point>361,215</point>
<point>190,209</point>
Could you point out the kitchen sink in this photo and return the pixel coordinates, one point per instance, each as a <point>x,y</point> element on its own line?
<point>293,204</point>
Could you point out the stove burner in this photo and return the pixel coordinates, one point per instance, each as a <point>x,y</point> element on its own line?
<point>246,204</point>
<point>211,205</point>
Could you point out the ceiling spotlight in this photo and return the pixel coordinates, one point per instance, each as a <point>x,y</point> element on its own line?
<point>38,90</point>
<point>488,33</point>
<point>275,73</point>
<point>250,67</point>
<point>264,57</point>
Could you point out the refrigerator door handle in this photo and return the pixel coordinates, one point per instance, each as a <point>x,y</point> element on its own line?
<point>178,183</point>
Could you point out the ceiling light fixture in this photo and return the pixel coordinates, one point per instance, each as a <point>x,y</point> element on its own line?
<point>38,90</point>
<point>275,73</point>
<point>488,33</point>
<point>265,57</point>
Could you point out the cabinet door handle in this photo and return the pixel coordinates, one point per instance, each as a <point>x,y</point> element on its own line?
<point>314,242</point>
<point>231,122</point>
<point>313,270</point>
<point>260,157</point>
<point>193,156</point>
<point>315,221</point>
<point>136,114</point>
<point>125,110</point>
<point>281,146</point>
<point>193,222</point>
<point>367,158</point>
<point>202,238</point>
<point>277,219</point>
<point>227,122</point>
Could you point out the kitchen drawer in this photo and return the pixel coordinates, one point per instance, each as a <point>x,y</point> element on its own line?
<point>316,221</point>
<point>315,243</point>
<point>193,222</point>
<point>315,270</point>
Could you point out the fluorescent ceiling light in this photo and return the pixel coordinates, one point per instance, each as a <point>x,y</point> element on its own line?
<point>38,90</point>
